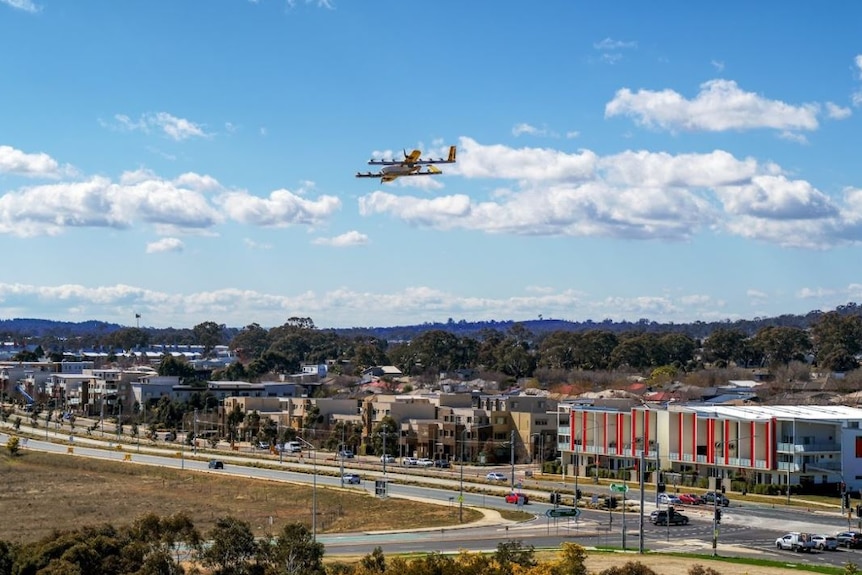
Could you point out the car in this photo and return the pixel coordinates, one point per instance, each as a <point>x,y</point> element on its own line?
<point>668,499</point>
<point>710,496</point>
<point>290,447</point>
<point>660,517</point>
<point>351,478</point>
<point>216,464</point>
<point>514,497</point>
<point>442,463</point>
<point>496,476</point>
<point>409,461</point>
<point>795,541</point>
<point>690,499</point>
<point>387,459</point>
<point>345,454</point>
<point>849,539</point>
<point>825,542</point>
<point>262,445</point>
<point>424,462</point>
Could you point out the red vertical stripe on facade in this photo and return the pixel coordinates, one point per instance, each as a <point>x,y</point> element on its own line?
<point>619,434</point>
<point>681,429</point>
<point>633,418</point>
<point>584,431</point>
<point>572,430</point>
<point>710,440</point>
<point>646,430</point>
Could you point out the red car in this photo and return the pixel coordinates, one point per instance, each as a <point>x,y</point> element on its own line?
<point>690,499</point>
<point>513,498</point>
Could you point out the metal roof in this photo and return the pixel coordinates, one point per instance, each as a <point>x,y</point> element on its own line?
<point>764,412</point>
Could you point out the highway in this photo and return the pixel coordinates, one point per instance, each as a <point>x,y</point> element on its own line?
<point>746,529</point>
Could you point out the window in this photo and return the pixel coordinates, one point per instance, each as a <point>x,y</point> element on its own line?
<point>858,446</point>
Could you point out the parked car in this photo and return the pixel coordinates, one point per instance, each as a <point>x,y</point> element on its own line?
<point>424,462</point>
<point>825,542</point>
<point>345,454</point>
<point>513,498</point>
<point>442,463</point>
<point>849,539</point>
<point>660,517</point>
<point>690,499</point>
<point>216,464</point>
<point>668,499</point>
<point>351,478</point>
<point>709,499</point>
<point>795,541</point>
<point>387,459</point>
<point>409,461</point>
<point>496,476</point>
<point>290,447</point>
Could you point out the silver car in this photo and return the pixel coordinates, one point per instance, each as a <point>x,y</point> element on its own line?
<point>825,542</point>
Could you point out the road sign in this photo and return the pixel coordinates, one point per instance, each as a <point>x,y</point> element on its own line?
<point>619,488</point>
<point>560,512</point>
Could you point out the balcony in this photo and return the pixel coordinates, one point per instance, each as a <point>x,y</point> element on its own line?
<point>787,466</point>
<point>808,447</point>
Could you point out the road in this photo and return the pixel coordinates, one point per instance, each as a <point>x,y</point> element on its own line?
<point>746,529</point>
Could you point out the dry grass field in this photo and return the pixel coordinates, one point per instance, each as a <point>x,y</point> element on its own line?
<point>44,492</point>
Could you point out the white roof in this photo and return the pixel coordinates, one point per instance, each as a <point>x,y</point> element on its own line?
<point>764,412</point>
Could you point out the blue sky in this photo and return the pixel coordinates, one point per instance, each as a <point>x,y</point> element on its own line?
<point>191,161</point>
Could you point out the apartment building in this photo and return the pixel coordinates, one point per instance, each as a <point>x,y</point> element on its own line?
<point>775,444</point>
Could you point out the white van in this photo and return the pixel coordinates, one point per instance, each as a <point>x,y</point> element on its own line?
<point>292,447</point>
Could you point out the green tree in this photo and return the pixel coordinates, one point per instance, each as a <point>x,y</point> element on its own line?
<point>514,552</point>
<point>209,334</point>
<point>250,343</point>
<point>725,344</point>
<point>781,345</point>
<point>171,365</point>
<point>837,341</point>
<point>13,444</point>
<point>293,552</point>
<point>385,427</point>
<point>232,547</point>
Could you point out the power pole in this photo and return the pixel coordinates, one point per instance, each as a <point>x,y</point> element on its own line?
<point>385,433</point>
<point>512,456</point>
<point>195,433</point>
<point>641,524</point>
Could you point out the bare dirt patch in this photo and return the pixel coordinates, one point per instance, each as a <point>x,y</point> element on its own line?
<point>44,492</point>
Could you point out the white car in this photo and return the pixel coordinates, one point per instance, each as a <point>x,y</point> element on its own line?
<point>668,499</point>
<point>424,462</point>
<point>387,459</point>
<point>408,461</point>
<point>825,542</point>
<point>496,476</point>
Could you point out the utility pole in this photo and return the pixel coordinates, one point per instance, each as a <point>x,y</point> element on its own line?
<point>385,433</point>
<point>195,433</point>
<point>641,523</point>
<point>341,454</point>
<point>461,494</point>
<point>715,518</point>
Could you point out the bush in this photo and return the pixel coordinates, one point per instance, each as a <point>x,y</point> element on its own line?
<point>13,445</point>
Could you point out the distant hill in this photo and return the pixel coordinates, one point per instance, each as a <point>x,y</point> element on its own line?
<point>28,327</point>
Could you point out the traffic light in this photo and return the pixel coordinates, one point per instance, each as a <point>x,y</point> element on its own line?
<point>661,488</point>
<point>578,493</point>
<point>669,512</point>
<point>859,510</point>
<point>718,515</point>
<point>846,498</point>
<point>555,498</point>
<point>612,503</point>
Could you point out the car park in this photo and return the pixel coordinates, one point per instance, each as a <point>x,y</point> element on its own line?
<point>514,497</point>
<point>849,539</point>
<point>495,476</point>
<point>825,542</point>
<point>216,464</point>
<point>795,541</point>
<point>351,478</point>
<point>660,517</point>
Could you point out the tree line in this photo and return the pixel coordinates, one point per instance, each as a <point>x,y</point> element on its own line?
<point>172,545</point>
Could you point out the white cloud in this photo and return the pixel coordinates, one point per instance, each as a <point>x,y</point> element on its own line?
<point>251,244</point>
<point>572,134</point>
<point>25,5</point>
<point>611,58</point>
<point>520,129</point>
<point>176,128</point>
<point>632,194</point>
<point>282,208</point>
<point>319,3</point>
<point>718,65</point>
<point>793,137</point>
<point>611,44</point>
<point>39,165</point>
<point>719,106</point>
<point>263,131</point>
<point>858,61</point>
<point>756,294</point>
<point>837,112</point>
<point>347,239</point>
<point>165,245</point>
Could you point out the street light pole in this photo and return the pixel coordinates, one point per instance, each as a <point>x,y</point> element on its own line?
<point>313,489</point>
<point>461,491</point>
<point>512,457</point>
